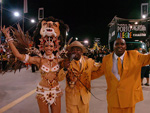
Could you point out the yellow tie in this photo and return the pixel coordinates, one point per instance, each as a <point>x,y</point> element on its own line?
<point>79,64</point>
<point>119,66</point>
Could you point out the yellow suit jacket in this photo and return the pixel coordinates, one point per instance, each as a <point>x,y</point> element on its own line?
<point>128,91</point>
<point>79,92</point>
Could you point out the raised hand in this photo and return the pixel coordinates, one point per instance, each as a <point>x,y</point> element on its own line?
<point>6,32</point>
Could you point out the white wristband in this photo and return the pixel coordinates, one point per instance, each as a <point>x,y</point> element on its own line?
<point>26,58</point>
<point>8,40</point>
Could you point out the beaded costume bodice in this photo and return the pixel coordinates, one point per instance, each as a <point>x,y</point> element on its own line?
<point>45,70</point>
<point>48,69</point>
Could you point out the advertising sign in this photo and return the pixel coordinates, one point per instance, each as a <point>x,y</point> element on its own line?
<point>131,30</point>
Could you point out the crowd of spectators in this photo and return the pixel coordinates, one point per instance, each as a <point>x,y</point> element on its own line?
<point>97,54</point>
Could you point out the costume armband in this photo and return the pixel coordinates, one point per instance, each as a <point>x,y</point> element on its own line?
<point>26,58</point>
<point>8,40</point>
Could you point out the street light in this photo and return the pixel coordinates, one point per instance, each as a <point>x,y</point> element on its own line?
<point>16,14</point>
<point>66,33</point>
<point>32,21</point>
<point>144,16</point>
<point>76,38</point>
<point>136,23</point>
<point>86,41</point>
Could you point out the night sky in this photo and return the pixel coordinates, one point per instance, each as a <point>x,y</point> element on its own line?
<point>87,19</point>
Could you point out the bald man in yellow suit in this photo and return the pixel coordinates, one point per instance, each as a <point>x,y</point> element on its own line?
<point>123,89</point>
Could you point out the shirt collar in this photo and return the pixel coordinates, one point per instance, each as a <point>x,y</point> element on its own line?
<point>80,60</point>
<point>121,57</point>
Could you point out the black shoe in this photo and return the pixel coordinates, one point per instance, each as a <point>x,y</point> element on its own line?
<point>146,84</point>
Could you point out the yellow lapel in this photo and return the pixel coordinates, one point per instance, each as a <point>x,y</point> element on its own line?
<point>125,65</point>
<point>74,65</point>
<point>109,64</point>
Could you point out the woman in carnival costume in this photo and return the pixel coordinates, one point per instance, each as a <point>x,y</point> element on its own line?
<point>49,33</point>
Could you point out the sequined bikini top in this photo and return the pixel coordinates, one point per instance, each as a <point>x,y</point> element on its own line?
<point>47,70</point>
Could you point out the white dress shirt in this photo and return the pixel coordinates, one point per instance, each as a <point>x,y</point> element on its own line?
<point>115,65</point>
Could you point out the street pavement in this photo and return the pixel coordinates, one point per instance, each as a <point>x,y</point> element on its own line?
<point>17,94</point>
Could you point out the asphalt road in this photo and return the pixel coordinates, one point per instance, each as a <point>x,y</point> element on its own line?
<point>17,94</point>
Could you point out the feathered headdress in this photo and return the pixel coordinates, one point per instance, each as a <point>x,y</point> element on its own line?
<point>50,40</point>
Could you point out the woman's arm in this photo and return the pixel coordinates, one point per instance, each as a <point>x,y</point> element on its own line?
<point>9,40</point>
<point>21,57</point>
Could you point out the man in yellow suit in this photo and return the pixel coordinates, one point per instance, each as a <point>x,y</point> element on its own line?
<point>78,79</point>
<point>122,70</point>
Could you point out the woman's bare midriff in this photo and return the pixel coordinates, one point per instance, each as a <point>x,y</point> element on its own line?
<point>51,76</point>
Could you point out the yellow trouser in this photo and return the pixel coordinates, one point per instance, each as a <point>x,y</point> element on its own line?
<point>80,108</point>
<point>121,110</point>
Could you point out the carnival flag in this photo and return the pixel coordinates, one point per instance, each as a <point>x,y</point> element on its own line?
<point>25,6</point>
